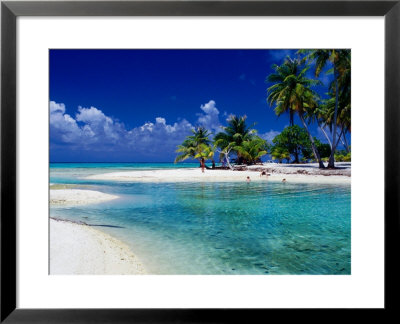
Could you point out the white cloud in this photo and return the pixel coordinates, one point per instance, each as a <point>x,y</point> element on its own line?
<point>269,136</point>
<point>91,115</point>
<point>279,55</point>
<point>160,120</point>
<point>91,129</point>
<point>210,118</point>
<point>63,127</point>
<point>56,107</point>
<point>101,125</point>
<point>152,138</point>
<point>209,108</point>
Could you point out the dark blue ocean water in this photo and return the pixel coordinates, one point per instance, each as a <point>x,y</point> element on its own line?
<point>219,228</point>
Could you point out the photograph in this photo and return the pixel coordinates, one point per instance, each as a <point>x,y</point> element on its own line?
<point>200,161</point>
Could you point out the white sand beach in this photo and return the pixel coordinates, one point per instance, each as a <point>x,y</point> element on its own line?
<point>302,173</point>
<point>77,197</point>
<point>80,249</point>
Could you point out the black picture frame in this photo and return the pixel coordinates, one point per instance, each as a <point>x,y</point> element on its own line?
<point>10,10</point>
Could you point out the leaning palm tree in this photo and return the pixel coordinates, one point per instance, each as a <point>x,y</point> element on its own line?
<point>343,120</point>
<point>224,151</point>
<point>292,93</point>
<point>193,144</point>
<point>186,151</point>
<point>340,60</point>
<point>235,132</point>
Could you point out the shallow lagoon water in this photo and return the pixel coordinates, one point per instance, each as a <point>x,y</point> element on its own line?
<point>221,228</point>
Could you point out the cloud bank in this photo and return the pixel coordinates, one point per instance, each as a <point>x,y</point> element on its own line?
<point>90,130</point>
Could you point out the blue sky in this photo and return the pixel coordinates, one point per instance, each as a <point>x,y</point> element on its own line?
<point>137,105</point>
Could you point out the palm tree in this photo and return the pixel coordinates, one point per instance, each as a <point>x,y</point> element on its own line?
<point>200,136</point>
<point>235,132</point>
<point>292,93</point>
<point>194,146</point>
<point>280,153</point>
<point>204,152</point>
<point>286,78</point>
<point>343,120</point>
<point>344,83</point>
<point>224,151</point>
<point>252,150</point>
<point>340,59</point>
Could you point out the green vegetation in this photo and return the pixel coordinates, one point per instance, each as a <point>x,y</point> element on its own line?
<point>280,153</point>
<point>334,112</point>
<point>293,140</point>
<point>234,135</point>
<point>236,139</point>
<point>196,146</point>
<point>292,92</point>
<point>343,156</point>
<point>252,150</point>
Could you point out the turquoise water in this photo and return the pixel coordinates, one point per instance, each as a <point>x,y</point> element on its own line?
<point>74,172</point>
<point>220,228</point>
<point>124,166</point>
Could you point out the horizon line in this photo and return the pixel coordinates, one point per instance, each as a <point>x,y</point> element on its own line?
<point>125,162</point>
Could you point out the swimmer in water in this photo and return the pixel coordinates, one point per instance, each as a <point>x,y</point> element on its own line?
<point>284,180</point>
<point>248,179</point>
<point>263,173</point>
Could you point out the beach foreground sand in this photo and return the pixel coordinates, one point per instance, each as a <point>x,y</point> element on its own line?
<point>292,173</point>
<point>77,197</point>
<point>80,249</point>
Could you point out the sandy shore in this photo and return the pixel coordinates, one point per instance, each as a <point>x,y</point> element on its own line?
<point>80,249</point>
<point>77,197</point>
<point>302,173</point>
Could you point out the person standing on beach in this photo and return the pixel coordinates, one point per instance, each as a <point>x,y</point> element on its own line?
<point>202,164</point>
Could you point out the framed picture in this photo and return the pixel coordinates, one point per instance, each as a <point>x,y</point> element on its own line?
<point>197,154</point>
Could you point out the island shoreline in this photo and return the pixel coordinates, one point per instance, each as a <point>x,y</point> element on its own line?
<point>302,173</point>
<point>76,248</point>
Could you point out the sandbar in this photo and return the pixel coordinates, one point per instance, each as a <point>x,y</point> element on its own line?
<point>78,197</point>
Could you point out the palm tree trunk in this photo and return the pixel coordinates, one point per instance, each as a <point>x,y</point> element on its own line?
<point>227,160</point>
<point>326,135</point>
<point>331,163</point>
<point>346,145</point>
<point>314,148</point>
<point>339,138</point>
<point>296,156</point>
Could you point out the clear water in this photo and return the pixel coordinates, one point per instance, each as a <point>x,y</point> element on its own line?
<point>220,228</point>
